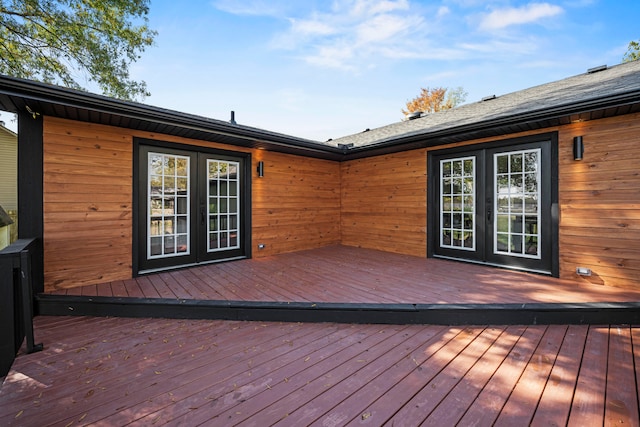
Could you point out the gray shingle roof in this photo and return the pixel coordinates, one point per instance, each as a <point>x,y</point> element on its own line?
<point>539,101</point>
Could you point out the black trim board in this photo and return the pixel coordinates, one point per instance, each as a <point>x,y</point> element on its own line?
<point>31,189</point>
<point>433,314</point>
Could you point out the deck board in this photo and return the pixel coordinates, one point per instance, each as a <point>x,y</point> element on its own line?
<point>520,407</point>
<point>453,407</point>
<point>588,400</point>
<point>621,407</point>
<point>555,402</point>
<point>186,372</point>
<point>485,409</point>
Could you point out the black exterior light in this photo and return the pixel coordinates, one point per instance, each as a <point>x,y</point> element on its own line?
<point>260,169</point>
<point>578,148</point>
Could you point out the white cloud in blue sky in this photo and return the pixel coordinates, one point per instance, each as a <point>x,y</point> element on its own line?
<point>526,14</point>
<point>324,69</point>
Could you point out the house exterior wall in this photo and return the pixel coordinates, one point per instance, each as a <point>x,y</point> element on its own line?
<point>302,203</point>
<point>600,201</point>
<point>88,202</point>
<point>8,170</point>
<point>384,200</point>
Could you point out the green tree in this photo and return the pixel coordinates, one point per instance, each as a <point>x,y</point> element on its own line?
<point>65,42</point>
<point>633,52</point>
<point>435,99</point>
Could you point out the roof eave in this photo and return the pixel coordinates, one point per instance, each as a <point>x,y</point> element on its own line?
<point>35,95</point>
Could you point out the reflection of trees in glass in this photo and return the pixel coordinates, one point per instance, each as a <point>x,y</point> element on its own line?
<point>516,163</point>
<point>457,210</point>
<point>503,164</point>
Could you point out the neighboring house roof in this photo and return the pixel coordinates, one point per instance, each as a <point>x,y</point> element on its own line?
<point>601,92</point>
<point>8,169</point>
<point>7,132</point>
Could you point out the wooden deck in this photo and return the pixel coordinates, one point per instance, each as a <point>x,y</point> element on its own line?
<point>341,274</point>
<point>352,285</point>
<point>117,371</point>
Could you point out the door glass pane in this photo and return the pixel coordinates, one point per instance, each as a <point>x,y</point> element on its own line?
<point>223,188</point>
<point>168,205</point>
<point>457,210</point>
<point>516,203</point>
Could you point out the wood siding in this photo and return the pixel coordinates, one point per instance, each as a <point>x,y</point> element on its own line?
<point>384,203</point>
<point>600,202</point>
<point>88,202</point>
<point>296,205</point>
<point>301,203</point>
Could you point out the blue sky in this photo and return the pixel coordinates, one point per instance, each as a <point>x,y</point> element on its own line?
<point>325,69</point>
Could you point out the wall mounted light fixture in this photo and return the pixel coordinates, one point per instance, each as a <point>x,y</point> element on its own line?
<point>578,148</point>
<point>260,169</point>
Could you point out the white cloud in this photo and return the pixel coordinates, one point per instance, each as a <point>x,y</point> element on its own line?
<point>252,7</point>
<point>382,28</point>
<point>353,33</point>
<point>332,56</point>
<point>443,11</point>
<point>311,27</point>
<point>369,7</point>
<point>501,18</point>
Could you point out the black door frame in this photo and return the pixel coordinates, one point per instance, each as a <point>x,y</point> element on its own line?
<point>481,255</point>
<point>139,263</point>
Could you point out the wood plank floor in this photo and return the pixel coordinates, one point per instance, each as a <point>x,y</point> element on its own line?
<point>353,275</point>
<point>122,371</point>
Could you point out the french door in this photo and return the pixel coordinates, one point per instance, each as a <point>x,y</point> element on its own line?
<point>496,204</point>
<point>191,207</point>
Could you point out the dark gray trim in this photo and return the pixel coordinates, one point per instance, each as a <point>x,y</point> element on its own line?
<point>435,314</point>
<point>31,188</point>
<point>16,95</point>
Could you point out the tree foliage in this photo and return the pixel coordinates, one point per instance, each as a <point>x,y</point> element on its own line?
<point>66,42</point>
<point>633,52</point>
<point>435,99</point>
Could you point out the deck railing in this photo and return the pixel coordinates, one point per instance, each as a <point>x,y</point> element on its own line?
<point>16,300</point>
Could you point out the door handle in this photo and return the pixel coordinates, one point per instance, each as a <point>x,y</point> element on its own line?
<point>489,214</point>
<point>203,215</point>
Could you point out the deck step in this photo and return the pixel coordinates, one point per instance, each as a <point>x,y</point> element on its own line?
<point>433,314</point>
